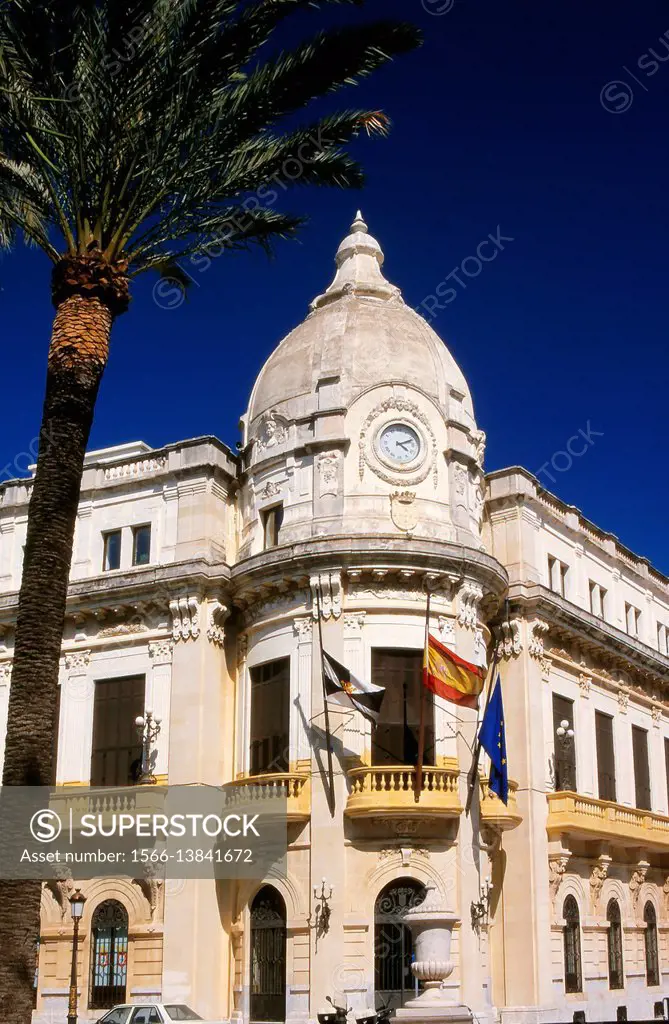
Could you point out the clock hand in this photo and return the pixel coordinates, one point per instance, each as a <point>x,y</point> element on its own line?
<point>403,444</point>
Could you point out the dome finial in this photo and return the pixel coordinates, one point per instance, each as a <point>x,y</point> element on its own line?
<point>359,224</point>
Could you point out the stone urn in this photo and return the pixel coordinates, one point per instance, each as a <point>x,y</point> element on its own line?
<point>431,930</point>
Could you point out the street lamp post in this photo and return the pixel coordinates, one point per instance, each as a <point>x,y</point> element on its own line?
<point>565,737</point>
<point>77,901</point>
<point>148,727</point>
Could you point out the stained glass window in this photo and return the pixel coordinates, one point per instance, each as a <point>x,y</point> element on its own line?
<point>109,959</point>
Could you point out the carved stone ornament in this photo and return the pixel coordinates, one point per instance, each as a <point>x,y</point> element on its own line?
<point>77,662</point>
<point>584,684</point>
<point>414,416</point>
<point>218,613</point>
<point>151,886</point>
<point>470,595</point>
<point>242,647</point>
<point>403,510</point>
<point>122,629</point>
<point>160,652</point>
<point>353,622</point>
<point>538,631</point>
<point>511,644</point>
<point>556,869</point>
<point>546,665</point>
<point>270,490</point>
<point>61,888</point>
<point>303,627</point>
<point>5,673</point>
<point>623,699</point>
<point>326,592</point>
<point>185,618</point>
<point>327,464</point>
<point>479,441</point>
<point>272,432</point>
<point>637,880</point>
<point>598,876</point>
<point>447,629</point>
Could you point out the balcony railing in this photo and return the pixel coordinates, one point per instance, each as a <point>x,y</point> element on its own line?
<point>590,818</point>
<point>391,790</point>
<point>295,786</point>
<point>496,814</point>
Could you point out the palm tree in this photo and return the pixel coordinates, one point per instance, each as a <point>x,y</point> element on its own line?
<point>134,134</point>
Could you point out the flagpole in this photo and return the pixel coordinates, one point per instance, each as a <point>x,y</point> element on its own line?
<point>328,736</point>
<point>471,781</point>
<point>421,733</point>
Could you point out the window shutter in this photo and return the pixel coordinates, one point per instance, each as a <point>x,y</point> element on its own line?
<point>565,753</point>
<point>606,768</point>
<point>641,767</point>
<point>116,744</point>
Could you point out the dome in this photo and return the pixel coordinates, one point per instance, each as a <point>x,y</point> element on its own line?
<point>359,333</point>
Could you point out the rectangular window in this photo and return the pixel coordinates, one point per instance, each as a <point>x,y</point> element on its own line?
<point>117,747</point>
<point>272,520</point>
<point>632,620</point>
<point>395,738</point>
<point>141,545</point>
<point>557,576</point>
<point>270,717</point>
<point>666,763</point>
<point>112,550</point>
<point>565,744</point>
<point>597,600</point>
<point>662,638</point>
<point>606,768</point>
<point>641,767</point>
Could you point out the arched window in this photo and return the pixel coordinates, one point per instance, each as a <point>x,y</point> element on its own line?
<point>573,980</point>
<point>650,942</point>
<point>615,945</point>
<point>268,956</point>
<point>109,955</point>
<point>393,949</point>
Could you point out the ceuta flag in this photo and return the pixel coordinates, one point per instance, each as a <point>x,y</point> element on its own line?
<point>343,688</point>
<point>451,677</point>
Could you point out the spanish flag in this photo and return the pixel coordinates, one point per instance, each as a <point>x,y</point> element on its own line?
<point>450,676</point>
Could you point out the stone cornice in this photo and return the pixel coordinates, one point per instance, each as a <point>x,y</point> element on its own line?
<point>355,552</point>
<point>593,635</point>
<point>151,585</point>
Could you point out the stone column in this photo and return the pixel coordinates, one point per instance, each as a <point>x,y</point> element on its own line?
<point>300,690</point>
<point>76,711</point>
<point>158,692</point>
<point>357,730</point>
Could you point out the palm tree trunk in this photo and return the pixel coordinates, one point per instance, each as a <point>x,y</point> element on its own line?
<point>77,358</point>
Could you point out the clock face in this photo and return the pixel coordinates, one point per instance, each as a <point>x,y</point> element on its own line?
<point>400,443</point>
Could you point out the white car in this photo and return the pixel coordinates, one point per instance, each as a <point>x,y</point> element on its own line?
<point>153,1013</point>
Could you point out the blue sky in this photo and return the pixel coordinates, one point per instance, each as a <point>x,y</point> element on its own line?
<point>547,122</point>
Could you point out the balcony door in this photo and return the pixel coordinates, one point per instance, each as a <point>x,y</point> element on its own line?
<point>395,738</point>
<point>270,717</point>
<point>268,956</point>
<point>394,983</point>
<point>117,748</point>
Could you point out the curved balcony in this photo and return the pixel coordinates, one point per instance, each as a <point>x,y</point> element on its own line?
<point>494,813</point>
<point>588,818</point>
<point>295,786</point>
<point>389,790</point>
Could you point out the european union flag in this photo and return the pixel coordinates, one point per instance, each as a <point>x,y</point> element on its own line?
<point>492,738</point>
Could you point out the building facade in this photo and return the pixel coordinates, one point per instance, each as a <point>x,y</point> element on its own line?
<point>201,580</point>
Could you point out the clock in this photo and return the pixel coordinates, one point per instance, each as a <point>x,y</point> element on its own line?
<point>400,443</point>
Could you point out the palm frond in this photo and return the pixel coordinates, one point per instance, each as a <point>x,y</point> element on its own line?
<point>149,125</point>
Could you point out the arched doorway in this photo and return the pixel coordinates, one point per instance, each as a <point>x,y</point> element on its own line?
<point>109,955</point>
<point>268,956</point>
<point>393,948</point>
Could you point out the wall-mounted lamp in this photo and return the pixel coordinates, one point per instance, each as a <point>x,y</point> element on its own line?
<point>481,907</point>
